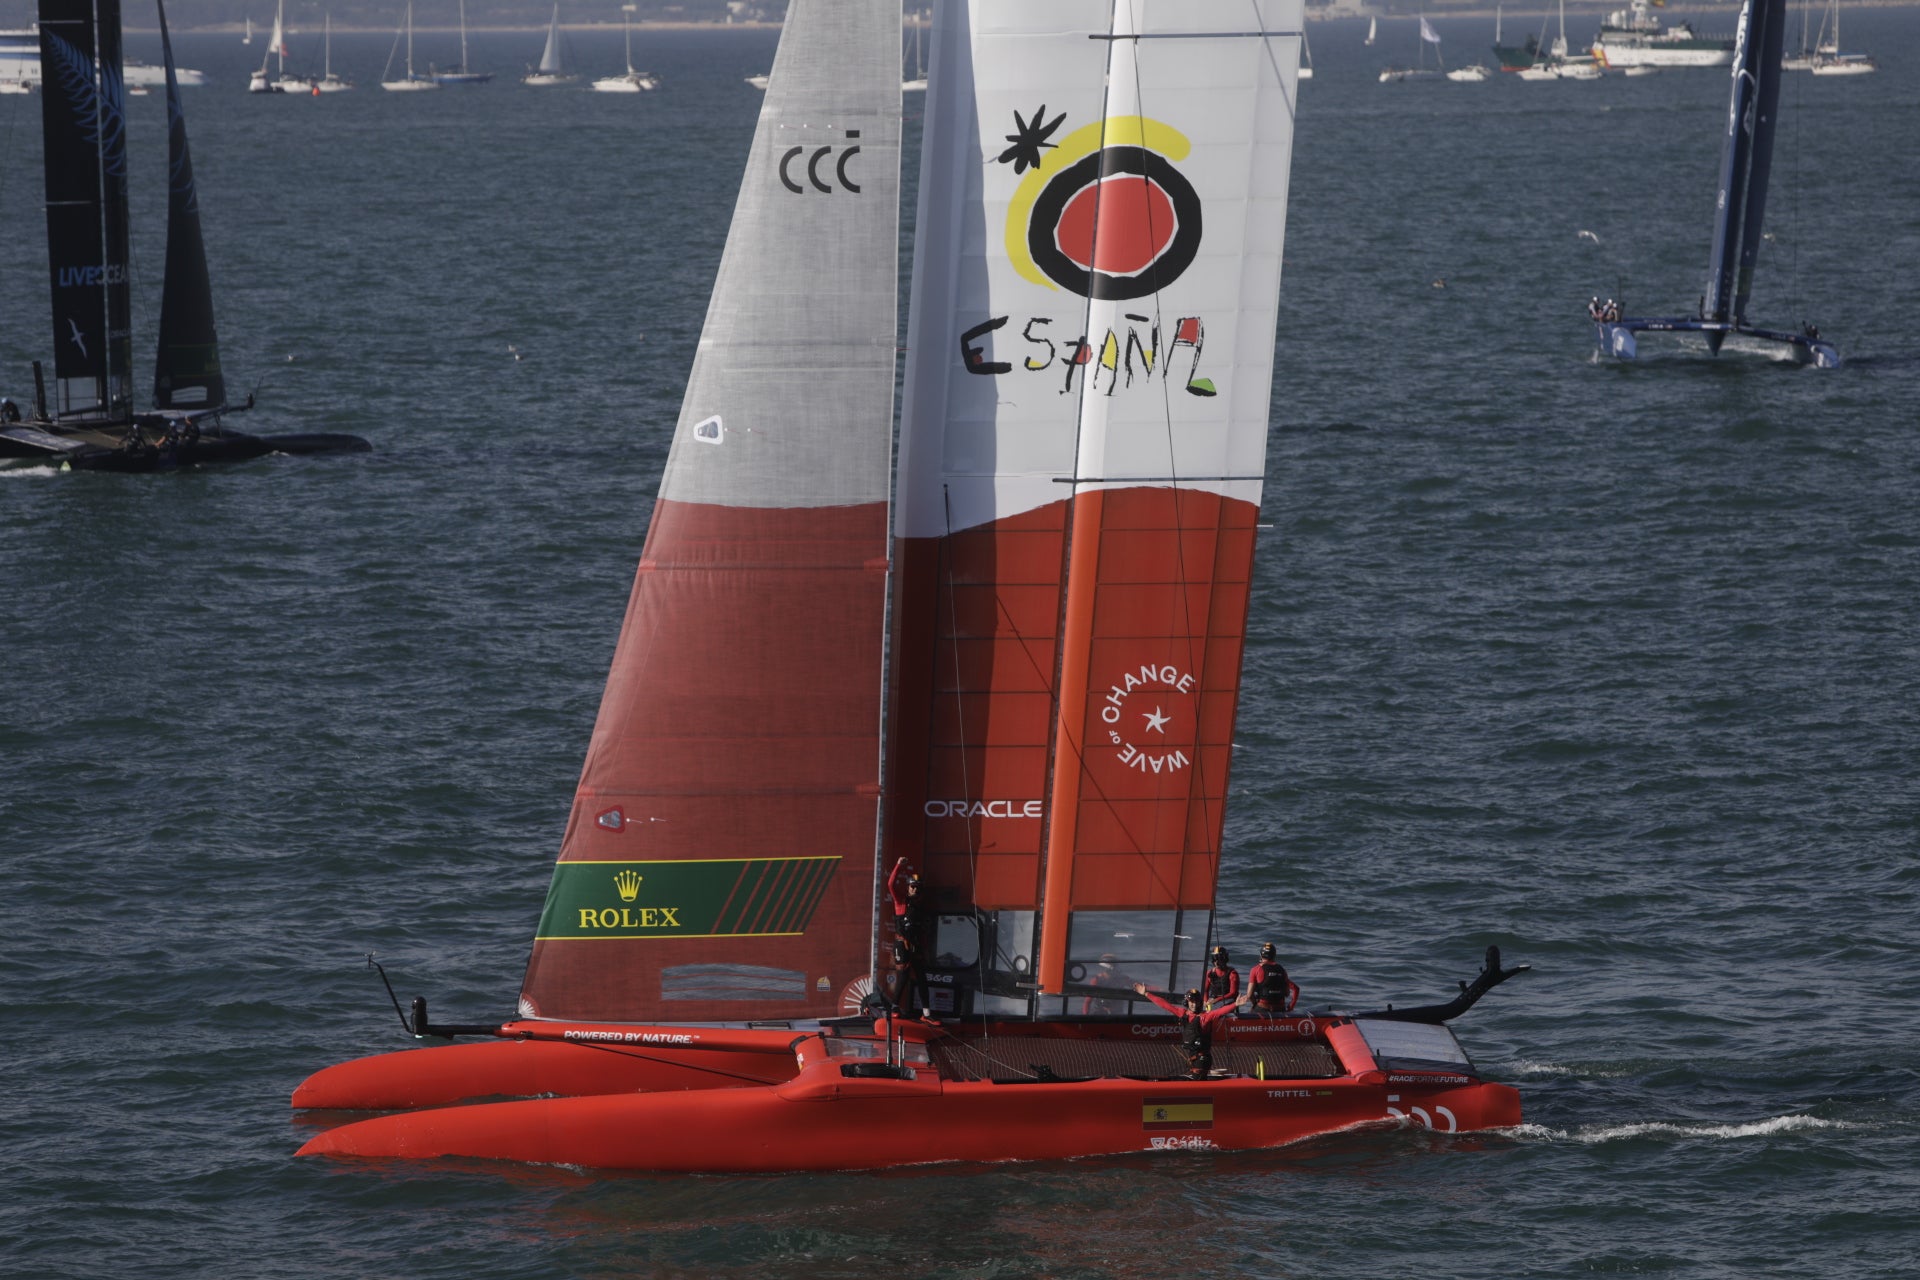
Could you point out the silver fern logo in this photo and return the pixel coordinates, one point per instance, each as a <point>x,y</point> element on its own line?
<point>99,102</point>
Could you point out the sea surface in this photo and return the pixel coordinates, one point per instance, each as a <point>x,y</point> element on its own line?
<point>1617,667</point>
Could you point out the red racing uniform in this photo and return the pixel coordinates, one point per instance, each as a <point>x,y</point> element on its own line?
<point>1196,1033</point>
<point>1221,986</point>
<point>1271,989</point>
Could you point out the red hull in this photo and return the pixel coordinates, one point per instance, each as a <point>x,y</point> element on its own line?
<point>691,1118</point>
<point>822,1121</point>
<point>571,1061</point>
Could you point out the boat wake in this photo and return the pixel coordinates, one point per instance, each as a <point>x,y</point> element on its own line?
<point>1543,1070</point>
<point>1593,1135</point>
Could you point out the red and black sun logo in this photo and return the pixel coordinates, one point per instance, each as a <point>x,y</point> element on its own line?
<point>1119,223</point>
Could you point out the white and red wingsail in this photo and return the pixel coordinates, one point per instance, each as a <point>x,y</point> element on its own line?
<point>1097,267</point>
<point>1102,207</point>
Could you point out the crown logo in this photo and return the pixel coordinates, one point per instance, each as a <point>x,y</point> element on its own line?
<point>628,884</point>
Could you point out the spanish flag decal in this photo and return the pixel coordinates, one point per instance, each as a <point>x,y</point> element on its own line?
<point>1176,1113</point>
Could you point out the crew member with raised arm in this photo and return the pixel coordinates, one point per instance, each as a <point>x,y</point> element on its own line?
<point>903,887</point>
<point>1196,1028</point>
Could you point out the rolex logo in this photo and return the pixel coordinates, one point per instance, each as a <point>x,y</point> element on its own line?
<point>628,884</point>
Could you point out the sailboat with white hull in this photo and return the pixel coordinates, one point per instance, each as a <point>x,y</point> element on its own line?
<point>412,81</point>
<point>553,66</point>
<point>261,82</point>
<point>92,424</point>
<point>1746,165</point>
<point>464,74</point>
<point>330,81</point>
<point>633,81</point>
<point>1419,70</point>
<point>1020,682</point>
<point>1827,58</point>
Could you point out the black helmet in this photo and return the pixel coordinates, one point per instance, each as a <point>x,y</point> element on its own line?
<point>1268,951</point>
<point>1219,955</point>
<point>1193,995</point>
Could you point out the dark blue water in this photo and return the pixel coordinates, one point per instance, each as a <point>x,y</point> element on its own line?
<point>1612,666</point>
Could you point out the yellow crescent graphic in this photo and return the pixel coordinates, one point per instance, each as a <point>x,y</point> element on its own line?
<point>1118,131</point>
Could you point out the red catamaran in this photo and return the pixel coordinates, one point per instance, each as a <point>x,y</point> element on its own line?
<point>1029,696</point>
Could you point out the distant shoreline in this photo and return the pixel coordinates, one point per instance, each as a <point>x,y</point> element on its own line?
<point>235,29</point>
<point>1586,8</point>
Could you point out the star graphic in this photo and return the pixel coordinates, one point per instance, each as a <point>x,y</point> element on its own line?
<point>1027,139</point>
<point>1156,721</point>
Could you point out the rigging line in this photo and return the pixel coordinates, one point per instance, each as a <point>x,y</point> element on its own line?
<point>980,959</point>
<point>1182,578</point>
<point>1793,267</point>
<point>1200,793</point>
<point>1087,392</point>
<point>1280,81</point>
<point>959,678</point>
<point>647,1057</point>
<point>1063,751</point>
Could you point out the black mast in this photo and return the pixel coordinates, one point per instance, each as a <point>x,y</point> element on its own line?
<point>186,372</point>
<point>1769,36</point>
<point>84,124</point>
<point>1746,164</point>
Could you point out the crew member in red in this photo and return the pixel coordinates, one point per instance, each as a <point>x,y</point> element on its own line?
<point>1196,1028</point>
<point>903,887</point>
<point>1221,982</point>
<point>1272,992</point>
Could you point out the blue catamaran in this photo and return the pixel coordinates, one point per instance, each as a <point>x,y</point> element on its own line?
<point>1745,167</point>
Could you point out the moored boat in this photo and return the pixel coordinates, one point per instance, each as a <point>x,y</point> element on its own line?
<point>411,81</point>
<point>20,66</point>
<point>631,81</point>
<point>553,64</point>
<point>464,74</point>
<point>1635,37</point>
<point>1419,70</point>
<point>1828,60</point>
<point>1019,683</point>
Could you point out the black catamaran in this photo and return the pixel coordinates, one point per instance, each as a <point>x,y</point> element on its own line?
<point>1745,167</point>
<point>92,424</point>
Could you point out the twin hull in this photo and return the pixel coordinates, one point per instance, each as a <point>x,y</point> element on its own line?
<point>718,1100</point>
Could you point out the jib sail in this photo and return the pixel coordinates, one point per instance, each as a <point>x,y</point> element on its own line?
<point>186,372</point>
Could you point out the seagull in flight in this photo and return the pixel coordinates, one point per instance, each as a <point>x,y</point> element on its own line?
<point>1588,235</point>
<point>79,338</point>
